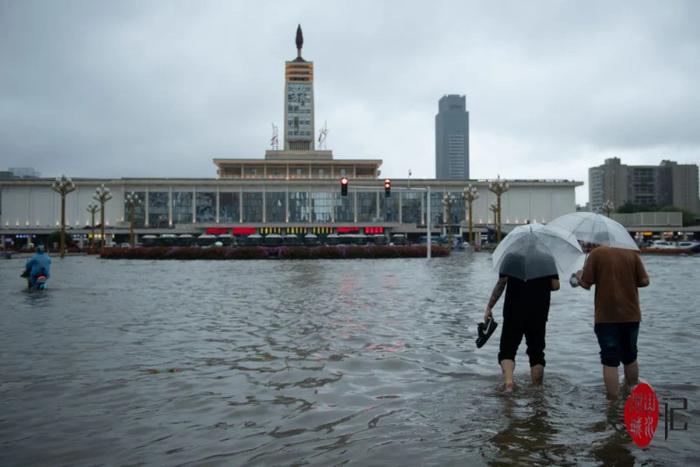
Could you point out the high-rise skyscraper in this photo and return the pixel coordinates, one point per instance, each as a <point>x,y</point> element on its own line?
<point>299,102</point>
<point>452,138</point>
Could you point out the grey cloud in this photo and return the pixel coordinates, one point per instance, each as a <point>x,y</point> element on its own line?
<point>98,88</point>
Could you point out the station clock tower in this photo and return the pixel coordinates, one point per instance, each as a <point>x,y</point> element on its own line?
<point>299,101</point>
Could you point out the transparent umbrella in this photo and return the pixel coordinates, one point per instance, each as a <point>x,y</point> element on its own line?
<point>534,250</point>
<point>595,228</point>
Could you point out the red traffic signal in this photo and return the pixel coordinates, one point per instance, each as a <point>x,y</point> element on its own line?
<point>387,187</point>
<point>344,186</point>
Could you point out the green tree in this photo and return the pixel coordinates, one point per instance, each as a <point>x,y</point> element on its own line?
<point>628,208</point>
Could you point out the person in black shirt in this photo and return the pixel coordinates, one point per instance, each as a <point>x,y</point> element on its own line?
<point>524,313</point>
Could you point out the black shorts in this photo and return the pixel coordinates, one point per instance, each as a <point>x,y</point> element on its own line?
<point>618,342</point>
<point>532,326</point>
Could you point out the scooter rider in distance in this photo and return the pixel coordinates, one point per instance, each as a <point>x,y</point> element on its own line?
<point>38,269</point>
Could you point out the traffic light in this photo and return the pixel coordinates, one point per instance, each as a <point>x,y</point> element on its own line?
<point>387,187</point>
<point>344,186</point>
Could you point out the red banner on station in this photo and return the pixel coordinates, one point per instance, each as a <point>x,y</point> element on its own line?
<point>218,230</point>
<point>374,230</point>
<point>347,230</point>
<point>244,230</point>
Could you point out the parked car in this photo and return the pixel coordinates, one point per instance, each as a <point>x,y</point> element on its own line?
<point>311,239</point>
<point>399,239</point>
<point>273,239</point>
<point>206,240</point>
<point>149,240</point>
<point>379,239</point>
<point>291,239</point>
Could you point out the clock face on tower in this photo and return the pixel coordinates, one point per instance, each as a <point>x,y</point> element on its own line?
<point>299,109</point>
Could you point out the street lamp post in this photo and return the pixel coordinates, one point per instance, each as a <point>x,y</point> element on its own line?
<point>448,200</point>
<point>132,200</point>
<point>498,187</point>
<point>102,194</point>
<point>63,186</point>
<point>92,209</point>
<point>469,195</point>
<point>608,207</point>
<point>494,209</point>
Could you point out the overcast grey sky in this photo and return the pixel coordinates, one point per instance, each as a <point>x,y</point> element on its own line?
<point>159,88</point>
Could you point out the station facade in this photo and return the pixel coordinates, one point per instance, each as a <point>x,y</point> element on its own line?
<point>294,205</point>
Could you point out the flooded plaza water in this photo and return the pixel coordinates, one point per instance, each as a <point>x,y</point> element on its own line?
<point>321,362</point>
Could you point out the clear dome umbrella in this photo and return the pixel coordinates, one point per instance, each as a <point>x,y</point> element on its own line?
<point>590,227</point>
<point>534,250</point>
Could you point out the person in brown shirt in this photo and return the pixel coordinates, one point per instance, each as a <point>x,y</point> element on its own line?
<point>616,273</point>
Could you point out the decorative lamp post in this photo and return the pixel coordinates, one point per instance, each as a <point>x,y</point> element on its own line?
<point>448,200</point>
<point>494,209</point>
<point>63,186</point>
<point>92,209</point>
<point>469,195</point>
<point>498,187</point>
<point>132,200</point>
<point>102,194</point>
<point>608,207</point>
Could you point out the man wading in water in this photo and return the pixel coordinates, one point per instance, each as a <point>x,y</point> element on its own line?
<point>524,313</point>
<point>616,273</point>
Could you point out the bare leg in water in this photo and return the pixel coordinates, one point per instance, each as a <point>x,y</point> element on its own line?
<point>632,374</point>
<point>508,367</point>
<point>612,384</point>
<point>537,374</point>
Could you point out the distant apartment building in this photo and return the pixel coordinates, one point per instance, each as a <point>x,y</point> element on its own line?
<point>668,183</point>
<point>452,138</point>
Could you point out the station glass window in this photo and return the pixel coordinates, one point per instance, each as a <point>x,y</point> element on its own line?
<point>321,206</point>
<point>229,207</point>
<point>410,208</point>
<point>182,207</point>
<point>298,206</point>
<point>205,207</point>
<point>252,206</point>
<point>275,206</point>
<point>344,208</point>
<point>367,206</point>
<point>389,208</point>
<point>158,208</point>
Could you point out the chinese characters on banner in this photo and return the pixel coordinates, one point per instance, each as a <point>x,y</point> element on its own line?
<point>642,414</point>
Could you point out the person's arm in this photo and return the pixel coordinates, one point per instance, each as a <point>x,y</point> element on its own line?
<point>554,283</point>
<point>581,282</point>
<point>495,295</point>
<point>586,276</point>
<point>642,276</point>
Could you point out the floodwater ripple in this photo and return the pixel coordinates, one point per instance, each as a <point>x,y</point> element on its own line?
<point>318,362</point>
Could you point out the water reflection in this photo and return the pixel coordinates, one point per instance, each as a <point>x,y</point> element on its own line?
<point>612,448</point>
<point>528,429</point>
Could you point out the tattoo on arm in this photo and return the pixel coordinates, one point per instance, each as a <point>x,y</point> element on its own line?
<point>497,291</point>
